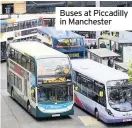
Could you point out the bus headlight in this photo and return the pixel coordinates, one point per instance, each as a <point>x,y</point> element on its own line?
<point>41,109</point>
<point>109,112</point>
<point>69,107</point>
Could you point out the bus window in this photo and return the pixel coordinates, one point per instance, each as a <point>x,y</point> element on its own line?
<point>10,27</point>
<point>12,53</point>
<point>19,83</point>
<point>90,85</point>
<point>24,61</point>
<point>25,87</point>
<point>40,22</point>
<point>100,90</point>
<point>28,24</point>
<point>79,83</point>
<point>91,93</point>
<point>3,29</point>
<point>34,23</point>
<point>102,99</point>
<point>22,25</point>
<point>69,43</point>
<point>28,64</point>
<point>16,83</point>
<point>16,26</point>
<point>12,78</point>
<point>19,58</point>
<point>84,87</point>
<point>16,56</point>
<point>32,66</point>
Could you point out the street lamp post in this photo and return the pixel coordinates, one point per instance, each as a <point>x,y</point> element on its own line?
<point>97,32</point>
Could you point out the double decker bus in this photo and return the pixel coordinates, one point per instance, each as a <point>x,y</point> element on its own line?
<point>24,27</point>
<point>18,29</point>
<point>103,91</point>
<point>64,41</point>
<point>40,79</point>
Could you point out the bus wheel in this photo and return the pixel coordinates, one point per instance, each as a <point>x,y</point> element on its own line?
<point>12,93</point>
<point>28,107</point>
<point>96,114</point>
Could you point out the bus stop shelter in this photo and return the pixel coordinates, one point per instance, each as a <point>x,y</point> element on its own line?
<point>102,55</point>
<point>122,66</point>
<point>115,44</point>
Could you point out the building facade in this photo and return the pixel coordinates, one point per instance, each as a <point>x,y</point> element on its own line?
<point>102,3</point>
<point>12,7</point>
<point>43,6</point>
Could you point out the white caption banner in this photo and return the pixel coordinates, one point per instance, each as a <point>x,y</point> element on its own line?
<point>93,18</point>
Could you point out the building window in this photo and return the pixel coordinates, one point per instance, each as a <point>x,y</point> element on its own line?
<point>7,8</point>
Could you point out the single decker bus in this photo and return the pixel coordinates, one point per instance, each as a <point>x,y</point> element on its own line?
<point>103,91</point>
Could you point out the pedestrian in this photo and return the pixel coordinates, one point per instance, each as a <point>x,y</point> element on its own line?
<point>110,62</point>
<point>91,46</point>
<point>95,46</point>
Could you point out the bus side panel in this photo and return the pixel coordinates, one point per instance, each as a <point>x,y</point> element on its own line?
<point>41,114</point>
<point>85,102</point>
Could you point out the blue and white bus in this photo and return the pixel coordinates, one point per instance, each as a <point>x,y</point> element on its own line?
<point>40,79</point>
<point>64,41</point>
<point>103,91</point>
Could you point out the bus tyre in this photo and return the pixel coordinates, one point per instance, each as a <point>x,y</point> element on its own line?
<point>12,93</point>
<point>28,107</point>
<point>97,114</point>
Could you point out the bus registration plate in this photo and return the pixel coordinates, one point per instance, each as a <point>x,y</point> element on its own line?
<point>55,115</point>
<point>127,120</point>
<point>74,55</point>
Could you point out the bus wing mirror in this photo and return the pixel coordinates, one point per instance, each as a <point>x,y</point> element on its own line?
<point>101,94</point>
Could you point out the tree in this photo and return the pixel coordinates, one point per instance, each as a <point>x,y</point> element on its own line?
<point>130,71</point>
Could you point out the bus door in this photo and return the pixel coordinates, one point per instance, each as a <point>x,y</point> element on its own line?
<point>32,89</point>
<point>33,97</point>
<point>99,89</point>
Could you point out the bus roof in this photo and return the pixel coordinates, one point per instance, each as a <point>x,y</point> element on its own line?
<point>97,71</point>
<point>34,15</point>
<point>103,52</point>
<point>59,34</point>
<point>27,17</point>
<point>36,49</point>
<point>124,65</point>
<point>117,39</point>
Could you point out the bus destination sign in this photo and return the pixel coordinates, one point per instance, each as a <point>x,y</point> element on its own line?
<point>54,80</point>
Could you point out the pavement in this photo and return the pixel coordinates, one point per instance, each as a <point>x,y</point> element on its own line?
<point>14,115</point>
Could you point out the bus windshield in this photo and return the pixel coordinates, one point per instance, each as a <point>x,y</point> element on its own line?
<point>55,93</point>
<point>120,95</point>
<point>69,43</point>
<point>53,66</point>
